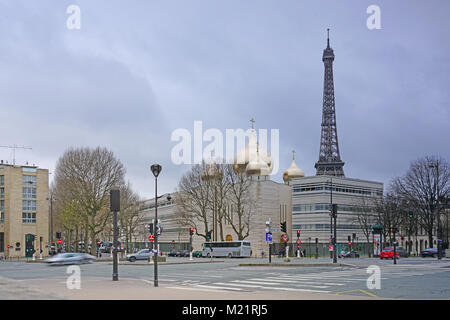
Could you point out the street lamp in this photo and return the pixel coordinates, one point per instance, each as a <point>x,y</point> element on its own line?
<point>156,170</point>
<point>51,199</point>
<point>438,218</point>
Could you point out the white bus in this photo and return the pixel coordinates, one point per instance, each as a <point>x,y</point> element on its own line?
<point>229,249</point>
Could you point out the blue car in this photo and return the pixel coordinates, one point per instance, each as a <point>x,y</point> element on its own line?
<point>431,252</point>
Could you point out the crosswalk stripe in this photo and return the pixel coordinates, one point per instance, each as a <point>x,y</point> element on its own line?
<point>305,282</point>
<point>309,284</point>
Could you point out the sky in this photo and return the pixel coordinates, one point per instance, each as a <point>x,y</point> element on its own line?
<point>136,71</point>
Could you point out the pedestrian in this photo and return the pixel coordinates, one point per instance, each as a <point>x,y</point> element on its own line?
<point>262,253</point>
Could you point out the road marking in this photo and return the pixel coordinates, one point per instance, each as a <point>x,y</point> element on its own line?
<point>360,290</point>
<point>196,289</point>
<point>303,284</point>
<point>215,287</point>
<point>271,288</point>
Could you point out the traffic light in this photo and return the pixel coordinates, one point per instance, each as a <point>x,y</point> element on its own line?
<point>334,209</point>
<point>58,235</point>
<point>150,228</point>
<point>411,215</point>
<point>283,226</point>
<point>191,231</point>
<point>349,239</point>
<point>298,233</point>
<point>208,235</point>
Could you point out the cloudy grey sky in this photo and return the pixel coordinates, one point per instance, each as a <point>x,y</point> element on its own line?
<point>138,70</point>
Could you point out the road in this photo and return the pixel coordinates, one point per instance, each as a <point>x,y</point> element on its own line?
<point>411,278</point>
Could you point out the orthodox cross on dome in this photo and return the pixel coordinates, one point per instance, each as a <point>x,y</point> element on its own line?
<point>253,123</point>
<point>293,154</point>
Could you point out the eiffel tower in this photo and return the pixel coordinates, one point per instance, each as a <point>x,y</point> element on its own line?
<point>329,158</point>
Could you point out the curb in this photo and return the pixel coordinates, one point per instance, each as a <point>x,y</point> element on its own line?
<point>297,265</point>
<point>166,263</point>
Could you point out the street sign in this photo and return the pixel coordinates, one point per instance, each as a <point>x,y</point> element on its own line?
<point>59,241</point>
<point>299,241</point>
<point>268,237</point>
<point>274,230</point>
<point>284,237</point>
<point>330,248</point>
<point>151,238</point>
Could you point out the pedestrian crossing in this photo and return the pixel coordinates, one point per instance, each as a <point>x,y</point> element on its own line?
<point>328,281</point>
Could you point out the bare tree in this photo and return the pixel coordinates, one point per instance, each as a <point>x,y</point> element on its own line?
<point>425,183</point>
<point>366,218</point>
<point>241,202</point>
<point>87,175</point>
<point>390,213</point>
<point>131,216</point>
<point>193,200</point>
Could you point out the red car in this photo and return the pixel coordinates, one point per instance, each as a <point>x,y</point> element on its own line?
<point>388,253</point>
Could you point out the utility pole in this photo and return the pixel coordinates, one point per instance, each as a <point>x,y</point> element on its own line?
<point>115,207</point>
<point>14,147</point>
<point>335,232</point>
<point>438,218</point>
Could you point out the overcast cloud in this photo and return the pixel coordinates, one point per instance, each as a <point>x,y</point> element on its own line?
<point>138,70</point>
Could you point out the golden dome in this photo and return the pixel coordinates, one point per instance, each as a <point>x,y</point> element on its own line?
<point>252,153</point>
<point>293,171</point>
<point>211,171</point>
<point>257,167</point>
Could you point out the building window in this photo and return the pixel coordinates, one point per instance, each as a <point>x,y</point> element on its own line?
<point>2,217</point>
<point>2,193</point>
<point>2,180</point>
<point>28,180</point>
<point>28,193</point>
<point>29,217</point>
<point>29,205</point>
<point>2,205</point>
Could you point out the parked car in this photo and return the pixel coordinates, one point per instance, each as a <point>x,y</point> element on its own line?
<point>388,253</point>
<point>184,253</point>
<point>431,252</point>
<point>173,253</point>
<point>197,254</point>
<point>349,254</point>
<point>401,251</point>
<point>143,254</point>
<point>71,258</point>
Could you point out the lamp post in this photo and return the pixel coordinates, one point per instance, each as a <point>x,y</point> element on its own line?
<point>51,199</point>
<point>438,218</point>
<point>156,169</point>
<point>115,207</point>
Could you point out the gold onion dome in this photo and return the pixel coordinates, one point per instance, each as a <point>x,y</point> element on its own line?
<point>257,166</point>
<point>212,170</point>
<point>293,171</point>
<point>255,155</point>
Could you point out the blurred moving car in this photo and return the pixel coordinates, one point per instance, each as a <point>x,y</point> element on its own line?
<point>143,254</point>
<point>388,253</point>
<point>431,252</point>
<point>71,258</point>
<point>349,254</point>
